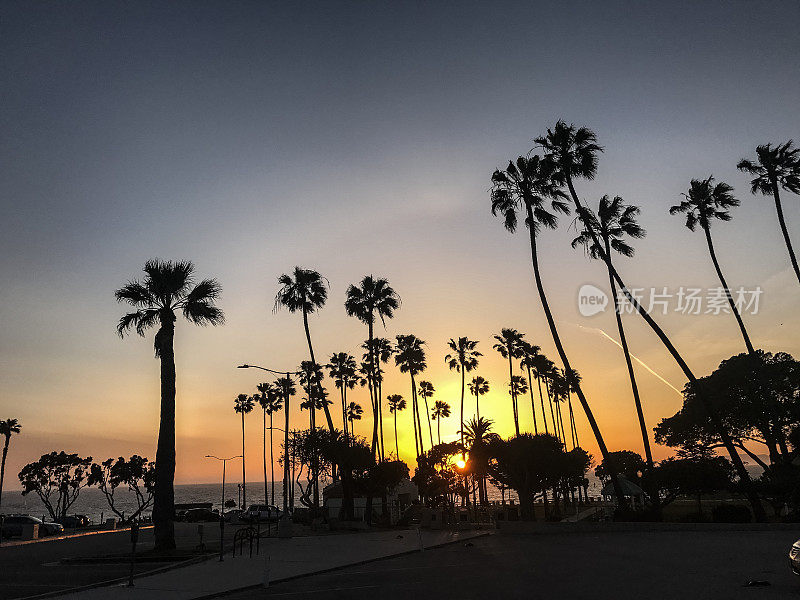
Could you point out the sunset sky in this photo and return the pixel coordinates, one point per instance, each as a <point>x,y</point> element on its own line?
<point>357,138</point>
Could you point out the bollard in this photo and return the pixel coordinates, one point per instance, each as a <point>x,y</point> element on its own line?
<point>134,539</point>
<point>221,536</point>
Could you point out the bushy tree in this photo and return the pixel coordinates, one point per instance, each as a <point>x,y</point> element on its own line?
<point>627,463</point>
<point>57,478</point>
<point>137,474</point>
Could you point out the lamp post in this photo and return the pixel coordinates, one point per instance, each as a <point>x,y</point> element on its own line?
<point>284,525</point>
<point>222,506</point>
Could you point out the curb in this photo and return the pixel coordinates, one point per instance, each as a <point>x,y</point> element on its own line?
<point>259,586</point>
<point>44,540</point>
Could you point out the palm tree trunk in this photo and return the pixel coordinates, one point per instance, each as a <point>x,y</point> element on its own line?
<point>552,414</point>
<point>477,404</point>
<point>782,222</point>
<point>286,482</point>
<point>541,399</point>
<point>533,403</point>
<point>271,461</point>
<point>439,429</point>
<point>741,471</point>
<point>244,479</point>
<point>372,385</point>
<point>462,411</point>
<point>3,466</point>
<point>513,394</point>
<point>573,432</point>
<point>314,363</point>
<point>413,415</point>
<point>164,495</point>
<point>428,418</point>
<point>724,283</point>
<point>264,446</point>
<point>563,355</point>
<point>396,445</point>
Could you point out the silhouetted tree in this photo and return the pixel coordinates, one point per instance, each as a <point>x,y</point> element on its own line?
<point>441,410</point>
<point>137,474</point>
<point>243,404</point>
<point>8,427</point>
<point>305,290</point>
<point>57,478</point>
<point>426,391</point>
<point>776,168</point>
<point>287,389</point>
<point>510,341</point>
<point>478,387</point>
<point>463,359</point>
<point>354,412</point>
<point>705,202</point>
<point>529,359</point>
<point>342,369</point>
<point>168,287</point>
<point>396,404</point>
<point>270,400</point>
<point>410,358</point>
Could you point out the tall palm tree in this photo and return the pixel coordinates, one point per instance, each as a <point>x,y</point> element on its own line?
<point>776,168</point>
<point>528,185</point>
<point>287,389</point>
<point>509,342</point>
<point>271,402</point>
<point>373,298</point>
<point>478,435</point>
<point>518,386</point>
<point>396,404</point>
<point>354,412</point>
<point>558,386</point>
<point>463,359</point>
<point>441,410</point>
<point>310,376</point>
<point>410,358</point>
<point>572,152</point>
<point>426,391</point>
<point>304,290</point>
<point>381,351</point>
<point>529,353</point>
<point>342,369</point>
<point>8,428</point>
<point>704,202</point>
<point>167,288</point>
<point>572,380</point>
<point>478,387</point>
<point>243,404</point>
<point>540,365</point>
<point>614,222</point>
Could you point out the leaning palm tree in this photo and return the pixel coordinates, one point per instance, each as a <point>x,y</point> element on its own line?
<point>167,288</point>
<point>8,428</point>
<point>373,298</point>
<point>396,404</point>
<point>305,290</point>
<point>614,222</point>
<point>287,389</point>
<point>410,358</point>
<point>518,386</point>
<point>342,369</point>
<point>572,153</point>
<point>528,185</point>
<point>540,366</point>
<point>441,410</point>
<point>270,400</point>
<point>478,387</point>
<point>529,353</point>
<point>572,381</point>
<point>704,202</point>
<point>244,404</point>
<point>354,412</point>
<point>426,391</point>
<point>463,360</point>
<point>509,342</point>
<point>775,169</point>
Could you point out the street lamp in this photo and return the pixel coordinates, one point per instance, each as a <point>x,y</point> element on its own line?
<point>222,506</point>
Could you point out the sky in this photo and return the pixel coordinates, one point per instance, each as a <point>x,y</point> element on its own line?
<point>359,138</point>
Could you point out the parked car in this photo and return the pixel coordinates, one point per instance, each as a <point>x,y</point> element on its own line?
<point>200,515</point>
<point>75,521</point>
<point>14,524</point>
<point>794,558</point>
<point>262,512</point>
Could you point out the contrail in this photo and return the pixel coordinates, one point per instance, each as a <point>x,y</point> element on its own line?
<point>638,360</point>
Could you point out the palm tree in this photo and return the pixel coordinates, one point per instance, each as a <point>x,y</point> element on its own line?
<point>463,360</point>
<point>410,358</point>
<point>372,298</point>
<point>305,290</point>
<point>615,221</point>
<point>704,202</point>
<point>529,353</point>
<point>382,351</point>
<point>572,152</point>
<point>243,404</point>
<point>426,391</point>
<point>354,412</point>
<point>477,436</point>
<point>518,386</point>
<point>478,387</point>
<point>271,402</point>
<point>7,429</point>
<point>776,168</point>
<point>529,185</point>
<point>441,410</point>
<point>342,369</point>
<point>540,366</point>
<point>168,287</point>
<point>396,404</point>
<point>287,388</point>
<point>509,342</point>
<point>572,380</point>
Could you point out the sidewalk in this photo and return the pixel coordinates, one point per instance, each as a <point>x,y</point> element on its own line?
<point>283,559</point>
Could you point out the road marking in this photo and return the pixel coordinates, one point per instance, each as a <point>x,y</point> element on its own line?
<point>338,589</point>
